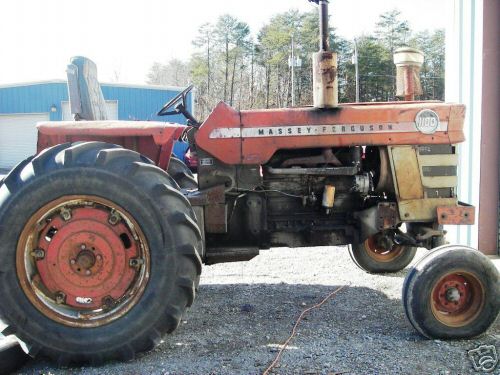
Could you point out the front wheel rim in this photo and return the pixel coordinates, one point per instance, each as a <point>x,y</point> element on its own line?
<point>379,253</point>
<point>83,261</point>
<point>457,298</point>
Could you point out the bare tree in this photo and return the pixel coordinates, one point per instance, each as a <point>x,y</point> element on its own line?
<point>175,72</point>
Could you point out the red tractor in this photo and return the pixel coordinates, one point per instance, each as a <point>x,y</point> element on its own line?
<point>104,234</point>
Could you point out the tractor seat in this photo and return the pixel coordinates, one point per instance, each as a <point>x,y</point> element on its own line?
<point>85,95</point>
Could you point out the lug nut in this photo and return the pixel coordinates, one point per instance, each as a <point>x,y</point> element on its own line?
<point>87,272</point>
<point>66,214</point>
<point>114,218</point>
<point>136,262</point>
<point>82,246</point>
<point>99,257</point>
<point>108,302</point>
<point>72,261</point>
<point>60,298</point>
<point>38,254</point>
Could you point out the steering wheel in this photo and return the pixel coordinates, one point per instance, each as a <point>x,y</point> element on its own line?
<point>177,105</point>
<point>179,97</point>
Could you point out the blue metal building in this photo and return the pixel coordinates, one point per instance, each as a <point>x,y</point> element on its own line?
<point>23,105</point>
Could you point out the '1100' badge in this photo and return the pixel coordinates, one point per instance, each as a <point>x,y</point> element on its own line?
<point>427,121</point>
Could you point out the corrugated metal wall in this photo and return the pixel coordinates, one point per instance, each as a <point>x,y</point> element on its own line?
<point>140,103</point>
<point>134,103</point>
<point>36,98</point>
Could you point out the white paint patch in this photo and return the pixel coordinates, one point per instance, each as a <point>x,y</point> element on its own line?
<point>84,300</point>
<point>226,133</point>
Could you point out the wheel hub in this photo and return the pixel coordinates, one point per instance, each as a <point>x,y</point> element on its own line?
<point>457,298</point>
<point>85,259</point>
<point>382,248</point>
<point>89,260</point>
<point>453,293</point>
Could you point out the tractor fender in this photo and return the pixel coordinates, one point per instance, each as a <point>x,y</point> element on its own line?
<point>153,139</point>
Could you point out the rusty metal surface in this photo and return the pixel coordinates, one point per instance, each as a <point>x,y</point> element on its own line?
<point>160,131</point>
<point>423,209</point>
<point>375,250</point>
<point>226,150</point>
<point>457,298</point>
<point>214,195</point>
<point>216,218</point>
<point>152,139</point>
<point>325,83</point>
<point>408,82</point>
<point>385,180</point>
<point>82,272</point>
<point>87,258</point>
<point>387,215</point>
<point>456,215</point>
<point>408,64</point>
<point>221,133</point>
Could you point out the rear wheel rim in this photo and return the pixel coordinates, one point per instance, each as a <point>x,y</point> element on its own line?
<point>83,261</point>
<point>457,298</point>
<point>379,253</point>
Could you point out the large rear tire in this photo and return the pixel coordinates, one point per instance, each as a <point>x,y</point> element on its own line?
<point>451,293</point>
<point>101,254</point>
<point>181,174</point>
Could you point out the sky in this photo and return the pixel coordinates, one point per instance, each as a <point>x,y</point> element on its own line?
<point>124,38</point>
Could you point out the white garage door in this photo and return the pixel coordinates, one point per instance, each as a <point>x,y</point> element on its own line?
<point>111,106</point>
<point>18,137</point>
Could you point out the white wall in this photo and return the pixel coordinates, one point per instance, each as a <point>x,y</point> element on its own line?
<point>463,85</point>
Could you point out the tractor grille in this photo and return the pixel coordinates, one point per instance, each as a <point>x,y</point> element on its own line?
<point>438,165</point>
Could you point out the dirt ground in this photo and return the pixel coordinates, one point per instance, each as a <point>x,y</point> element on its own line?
<point>244,311</point>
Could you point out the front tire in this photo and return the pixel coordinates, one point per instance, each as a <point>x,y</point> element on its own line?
<point>101,254</point>
<point>452,293</point>
<point>371,257</point>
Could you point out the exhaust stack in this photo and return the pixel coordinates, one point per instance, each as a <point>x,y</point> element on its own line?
<point>408,63</point>
<point>325,84</point>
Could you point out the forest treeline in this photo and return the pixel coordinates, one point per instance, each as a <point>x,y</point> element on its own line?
<point>229,64</point>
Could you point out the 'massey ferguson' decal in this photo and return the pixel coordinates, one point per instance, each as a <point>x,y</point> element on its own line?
<point>305,130</point>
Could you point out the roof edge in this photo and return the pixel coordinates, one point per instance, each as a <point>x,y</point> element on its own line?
<point>31,83</point>
<point>111,84</point>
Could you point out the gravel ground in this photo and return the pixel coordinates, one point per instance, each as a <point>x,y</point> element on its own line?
<point>245,310</point>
